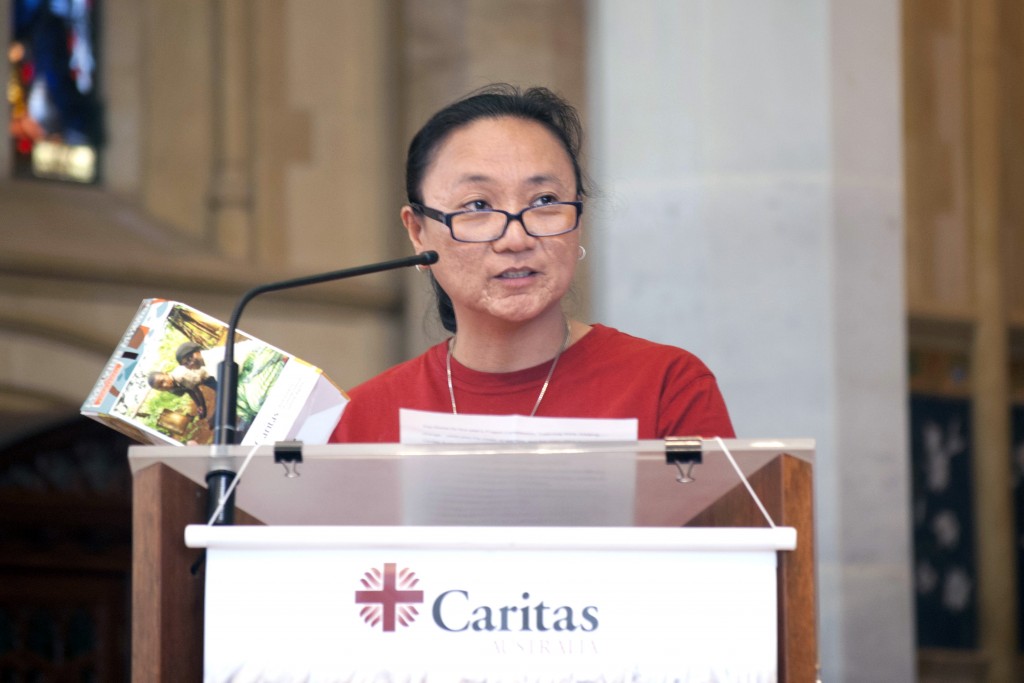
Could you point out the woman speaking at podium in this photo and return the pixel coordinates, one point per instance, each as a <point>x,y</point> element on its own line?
<point>495,187</point>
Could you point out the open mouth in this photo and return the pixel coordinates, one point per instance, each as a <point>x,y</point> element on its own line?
<point>516,274</point>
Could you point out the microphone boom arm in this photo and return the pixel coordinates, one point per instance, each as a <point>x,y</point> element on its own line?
<point>226,415</point>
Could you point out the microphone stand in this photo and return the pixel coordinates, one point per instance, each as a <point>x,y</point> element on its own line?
<point>225,418</point>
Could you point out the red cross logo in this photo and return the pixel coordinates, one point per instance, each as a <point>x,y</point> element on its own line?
<point>386,599</point>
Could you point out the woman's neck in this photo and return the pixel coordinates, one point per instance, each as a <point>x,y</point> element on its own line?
<point>508,347</point>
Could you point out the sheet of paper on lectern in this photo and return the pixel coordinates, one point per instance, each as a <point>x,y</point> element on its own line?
<point>424,427</point>
<point>541,489</point>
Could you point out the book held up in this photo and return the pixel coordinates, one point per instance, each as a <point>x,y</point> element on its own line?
<point>160,385</point>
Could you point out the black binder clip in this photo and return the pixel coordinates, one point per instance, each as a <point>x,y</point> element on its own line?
<point>680,450</point>
<point>289,454</point>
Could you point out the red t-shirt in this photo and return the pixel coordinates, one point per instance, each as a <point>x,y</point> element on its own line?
<point>606,374</point>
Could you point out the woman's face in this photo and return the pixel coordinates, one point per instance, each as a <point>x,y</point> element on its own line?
<point>498,163</point>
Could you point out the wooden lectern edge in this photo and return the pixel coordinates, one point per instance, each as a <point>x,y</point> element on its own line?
<point>785,487</point>
<point>167,598</point>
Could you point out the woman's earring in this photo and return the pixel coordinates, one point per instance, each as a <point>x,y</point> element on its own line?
<point>583,253</point>
<point>422,268</point>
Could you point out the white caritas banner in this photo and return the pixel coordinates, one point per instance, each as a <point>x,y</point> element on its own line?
<point>495,604</point>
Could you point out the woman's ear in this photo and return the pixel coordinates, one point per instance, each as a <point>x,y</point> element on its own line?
<point>414,227</point>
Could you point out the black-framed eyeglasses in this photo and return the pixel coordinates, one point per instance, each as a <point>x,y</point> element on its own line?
<point>488,225</point>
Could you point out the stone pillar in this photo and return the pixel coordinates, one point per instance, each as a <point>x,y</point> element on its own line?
<point>749,156</point>
<point>995,528</point>
<point>176,121</point>
<point>230,194</point>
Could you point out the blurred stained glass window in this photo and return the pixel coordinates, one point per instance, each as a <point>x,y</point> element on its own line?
<point>55,123</point>
<point>945,572</point>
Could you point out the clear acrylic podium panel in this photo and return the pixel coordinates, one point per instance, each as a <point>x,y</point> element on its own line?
<point>522,484</point>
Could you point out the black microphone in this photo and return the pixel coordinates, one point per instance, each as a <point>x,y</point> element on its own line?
<point>226,416</point>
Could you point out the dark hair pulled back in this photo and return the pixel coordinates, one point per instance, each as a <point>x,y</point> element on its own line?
<point>492,101</point>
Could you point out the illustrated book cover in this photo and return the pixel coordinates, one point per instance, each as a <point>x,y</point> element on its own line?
<point>160,385</point>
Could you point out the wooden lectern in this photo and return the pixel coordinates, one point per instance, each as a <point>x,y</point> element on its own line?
<point>168,598</point>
